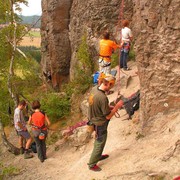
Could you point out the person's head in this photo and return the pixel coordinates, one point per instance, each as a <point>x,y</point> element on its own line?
<point>106,35</point>
<point>125,23</point>
<point>108,82</point>
<point>22,104</point>
<point>36,105</point>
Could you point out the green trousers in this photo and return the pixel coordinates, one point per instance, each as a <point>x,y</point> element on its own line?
<point>101,137</point>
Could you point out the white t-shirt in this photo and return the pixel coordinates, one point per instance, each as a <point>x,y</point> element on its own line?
<point>126,34</point>
<point>18,117</point>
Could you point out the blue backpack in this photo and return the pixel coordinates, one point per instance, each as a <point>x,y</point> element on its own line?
<point>95,77</point>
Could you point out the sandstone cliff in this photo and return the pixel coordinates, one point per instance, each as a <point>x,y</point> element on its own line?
<point>155,26</point>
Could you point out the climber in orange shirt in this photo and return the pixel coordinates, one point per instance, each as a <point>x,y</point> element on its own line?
<point>107,47</point>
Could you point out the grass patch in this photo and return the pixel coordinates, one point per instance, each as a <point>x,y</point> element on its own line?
<point>34,34</point>
<point>8,171</point>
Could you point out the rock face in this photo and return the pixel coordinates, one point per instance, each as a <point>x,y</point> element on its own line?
<point>155,25</point>
<point>56,50</point>
<point>91,18</point>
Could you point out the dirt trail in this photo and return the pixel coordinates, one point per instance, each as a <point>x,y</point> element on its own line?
<point>131,156</point>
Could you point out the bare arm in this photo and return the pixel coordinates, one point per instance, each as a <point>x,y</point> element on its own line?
<point>21,126</point>
<point>114,110</point>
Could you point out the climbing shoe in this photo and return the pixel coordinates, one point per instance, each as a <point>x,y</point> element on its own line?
<point>27,155</point>
<point>105,156</point>
<point>95,168</point>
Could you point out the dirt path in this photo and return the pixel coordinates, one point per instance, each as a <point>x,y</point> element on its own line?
<point>131,156</point>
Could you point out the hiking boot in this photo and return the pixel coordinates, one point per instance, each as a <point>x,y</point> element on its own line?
<point>95,168</point>
<point>21,150</point>
<point>105,156</point>
<point>27,155</point>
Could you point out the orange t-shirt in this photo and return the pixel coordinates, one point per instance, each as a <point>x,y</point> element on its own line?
<point>38,119</point>
<point>106,48</point>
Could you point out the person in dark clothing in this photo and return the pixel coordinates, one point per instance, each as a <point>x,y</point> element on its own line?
<point>99,114</point>
<point>39,122</point>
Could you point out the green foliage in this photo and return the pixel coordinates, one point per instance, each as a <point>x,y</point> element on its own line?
<point>34,33</point>
<point>115,59</point>
<point>55,105</point>
<point>8,171</point>
<point>24,78</point>
<point>84,68</point>
<point>32,52</point>
<point>54,138</point>
<point>132,55</point>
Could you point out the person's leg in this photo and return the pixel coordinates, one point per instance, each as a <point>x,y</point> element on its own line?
<point>20,141</point>
<point>97,150</point>
<point>108,69</point>
<point>125,60</point>
<point>39,148</point>
<point>28,143</point>
<point>21,144</point>
<point>26,135</point>
<point>44,149</point>
<point>99,144</point>
<point>121,58</point>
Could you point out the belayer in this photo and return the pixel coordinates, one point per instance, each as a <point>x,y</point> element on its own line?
<point>39,122</point>
<point>106,48</point>
<point>99,115</point>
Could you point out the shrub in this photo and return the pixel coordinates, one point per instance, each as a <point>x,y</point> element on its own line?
<point>32,51</point>
<point>8,171</point>
<point>55,105</point>
<point>84,68</point>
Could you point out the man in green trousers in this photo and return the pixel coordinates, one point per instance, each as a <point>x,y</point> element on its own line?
<point>99,114</point>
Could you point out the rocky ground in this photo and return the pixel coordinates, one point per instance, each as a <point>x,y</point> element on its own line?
<point>132,155</point>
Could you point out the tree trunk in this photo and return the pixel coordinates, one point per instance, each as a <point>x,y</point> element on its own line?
<point>11,148</point>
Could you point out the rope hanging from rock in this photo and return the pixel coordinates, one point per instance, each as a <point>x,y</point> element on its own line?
<point>119,25</point>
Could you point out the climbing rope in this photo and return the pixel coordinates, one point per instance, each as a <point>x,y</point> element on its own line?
<point>119,26</point>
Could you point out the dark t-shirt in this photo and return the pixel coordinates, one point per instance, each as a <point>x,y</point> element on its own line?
<point>98,106</point>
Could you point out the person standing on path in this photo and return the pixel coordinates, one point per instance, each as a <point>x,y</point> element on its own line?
<point>20,126</point>
<point>39,122</point>
<point>99,114</point>
<point>126,38</point>
<point>107,47</point>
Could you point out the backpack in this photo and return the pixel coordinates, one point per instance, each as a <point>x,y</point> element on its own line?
<point>33,147</point>
<point>95,78</point>
<point>131,104</point>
